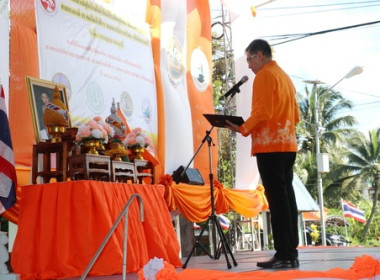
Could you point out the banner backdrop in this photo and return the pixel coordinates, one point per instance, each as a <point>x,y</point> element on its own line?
<point>99,56</point>
<point>199,84</point>
<point>247,174</point>
<point>178,132</point>
<point>185,67</point>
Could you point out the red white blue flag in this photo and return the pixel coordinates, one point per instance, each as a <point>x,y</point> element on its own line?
<point>8,179</point>
<point>224,222</point>
<point>196,226</point>
<point>350,210</point>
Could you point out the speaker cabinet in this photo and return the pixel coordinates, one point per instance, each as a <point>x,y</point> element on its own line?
<point>192,176</point>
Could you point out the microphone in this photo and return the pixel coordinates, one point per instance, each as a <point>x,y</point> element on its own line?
<point>235,88</point>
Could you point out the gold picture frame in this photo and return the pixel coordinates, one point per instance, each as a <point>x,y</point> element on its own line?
<point>40,91</point>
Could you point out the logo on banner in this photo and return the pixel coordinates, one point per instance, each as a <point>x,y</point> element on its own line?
<point>126,104</point>
<point>62,79</point>
<point>200,70</point>
<point>3,8</point>
<point>175,62</point>
<point>95,98</point>
<point>146,109</point>
<point>49,6</point>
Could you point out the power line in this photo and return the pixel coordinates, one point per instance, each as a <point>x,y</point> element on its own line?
<point>361,93</point>
<point>320,11</point>
<point>349,90</point>
<point>373,106</point>
<point>323,5</point>
<point>304,35</point>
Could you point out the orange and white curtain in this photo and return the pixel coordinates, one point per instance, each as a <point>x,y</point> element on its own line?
<point>181,39</point>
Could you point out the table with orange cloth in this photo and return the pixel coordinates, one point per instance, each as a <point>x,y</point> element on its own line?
<point>61,226</point>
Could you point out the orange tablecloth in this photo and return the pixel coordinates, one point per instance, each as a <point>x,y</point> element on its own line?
<point>61,225</point>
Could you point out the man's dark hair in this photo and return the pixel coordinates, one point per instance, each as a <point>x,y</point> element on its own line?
<point>259,45</point>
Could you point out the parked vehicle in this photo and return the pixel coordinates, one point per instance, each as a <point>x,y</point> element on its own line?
<point>331,239</point>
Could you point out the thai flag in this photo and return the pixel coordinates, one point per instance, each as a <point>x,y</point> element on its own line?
<point>8,179</point>
<point>350,210</point>
<point>196,226</point>
<point>224,222</point>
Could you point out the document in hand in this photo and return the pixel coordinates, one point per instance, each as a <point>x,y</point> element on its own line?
<point>220,120</point>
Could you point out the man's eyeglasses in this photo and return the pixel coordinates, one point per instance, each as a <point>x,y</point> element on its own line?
<point>249,58</point>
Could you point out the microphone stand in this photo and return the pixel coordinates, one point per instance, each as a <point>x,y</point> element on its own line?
<point>213,219</point>
<point>178,178</point>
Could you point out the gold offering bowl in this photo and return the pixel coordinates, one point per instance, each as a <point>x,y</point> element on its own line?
<point>56,131</point>
<point>117,151</point>
<point>92,145</point>
<point>138,151</point>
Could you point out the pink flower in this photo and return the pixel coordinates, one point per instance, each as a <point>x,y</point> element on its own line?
<point>137,138</point>
<point>92,124</point>
<point>147,140</point>
<point>83,132</point>
<point>95,128</point>
<point>137,130</point>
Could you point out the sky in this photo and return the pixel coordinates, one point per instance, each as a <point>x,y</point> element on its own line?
<point>327,57</point>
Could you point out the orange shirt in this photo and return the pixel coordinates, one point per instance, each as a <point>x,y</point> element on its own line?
<point>274,112</point>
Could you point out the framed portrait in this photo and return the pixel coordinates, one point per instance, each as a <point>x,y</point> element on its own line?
<point>40,93</point>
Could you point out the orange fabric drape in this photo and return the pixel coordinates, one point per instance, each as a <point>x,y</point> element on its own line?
<point>23,62</point>
<point>58,238</point>
<point>364,267</point>
<point>153,17</point>
<point>194,202</point>
<point>199,37</point>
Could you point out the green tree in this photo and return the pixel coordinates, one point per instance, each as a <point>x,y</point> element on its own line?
<point>222,61</point>
<point>334,128</point>
<point>362,168</point>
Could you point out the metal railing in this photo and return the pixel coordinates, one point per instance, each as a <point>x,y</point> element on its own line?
<point>124,213</point>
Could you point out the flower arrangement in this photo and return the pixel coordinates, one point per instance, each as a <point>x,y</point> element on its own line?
<point>314,234</point>
<point>96,128</point>
<point>136,138</point>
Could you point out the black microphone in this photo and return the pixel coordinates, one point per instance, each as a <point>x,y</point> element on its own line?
<point>235,88</point>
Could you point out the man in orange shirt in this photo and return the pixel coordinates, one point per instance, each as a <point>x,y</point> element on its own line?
<point>272,128</point>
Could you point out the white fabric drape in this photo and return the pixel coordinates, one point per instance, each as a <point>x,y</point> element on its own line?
<point>4,49</point>
<point>178,122</point>
<point>247,174</point>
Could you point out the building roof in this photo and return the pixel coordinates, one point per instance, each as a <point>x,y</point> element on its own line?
<point>305,202</point>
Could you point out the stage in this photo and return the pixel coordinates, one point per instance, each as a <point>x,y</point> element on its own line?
<point>57,239</point>
<point>312,259</point>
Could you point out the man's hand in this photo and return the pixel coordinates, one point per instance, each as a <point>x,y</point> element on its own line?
<point>232,126</point>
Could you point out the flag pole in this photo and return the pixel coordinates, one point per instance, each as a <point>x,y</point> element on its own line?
<point>345,222</point>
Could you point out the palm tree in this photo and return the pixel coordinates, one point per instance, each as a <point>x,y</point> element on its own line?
<point>363,167</point>
<point>336,127</point>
